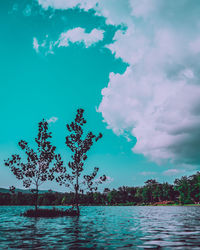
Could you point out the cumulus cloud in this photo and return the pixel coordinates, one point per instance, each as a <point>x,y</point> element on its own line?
<point>78,35</point>
<point>53,119</point>
<point>172,172</point>
<point>157,99</point>
<point>161,113</point>
<point>158,96</point>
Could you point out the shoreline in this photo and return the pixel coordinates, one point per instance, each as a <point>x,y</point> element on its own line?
<point>147,205</point>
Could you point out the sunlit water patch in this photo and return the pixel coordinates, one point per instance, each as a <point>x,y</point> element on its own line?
<point>103,228</point>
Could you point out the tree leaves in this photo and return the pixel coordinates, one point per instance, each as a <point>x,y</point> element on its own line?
<point>80,143</point>
<point>36,169</point>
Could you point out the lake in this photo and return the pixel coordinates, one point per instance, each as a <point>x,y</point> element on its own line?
<point>103,228</point>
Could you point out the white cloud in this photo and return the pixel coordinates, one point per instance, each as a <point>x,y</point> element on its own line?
<point>115,11</point>
<point>143,8</point>
<point>188,73</point>
<point>45,45</point>
<point>79,35</point>
<point>195,45</point>
<point>157,99</point>
<point>161,113</point>
<point>124,40</point>
<point>172,172</point>
<point>68,4</point>
<point>53,119</point>
<point>35,44</point>
<point>76,35</point>
<point>158,96</point>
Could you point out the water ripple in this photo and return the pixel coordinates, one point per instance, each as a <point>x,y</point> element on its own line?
<point>103,228</point>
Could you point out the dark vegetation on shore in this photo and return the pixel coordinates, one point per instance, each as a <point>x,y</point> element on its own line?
<point>185,190</point>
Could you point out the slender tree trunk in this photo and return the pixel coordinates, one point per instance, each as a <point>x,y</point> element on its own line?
<point>77,196</point>
<point>36,199</point>
<point>77,202</point>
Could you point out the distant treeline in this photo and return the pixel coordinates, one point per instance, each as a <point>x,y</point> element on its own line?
<point>185,190</point>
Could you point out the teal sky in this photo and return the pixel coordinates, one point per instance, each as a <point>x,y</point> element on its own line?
<point>41,83</point>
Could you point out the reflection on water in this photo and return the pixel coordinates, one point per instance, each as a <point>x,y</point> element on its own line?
<point>103,228</point>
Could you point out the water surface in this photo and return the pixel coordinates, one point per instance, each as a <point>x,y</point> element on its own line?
<point>103,228</point>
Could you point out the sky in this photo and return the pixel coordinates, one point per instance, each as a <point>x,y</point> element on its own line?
<point>132,65</point>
